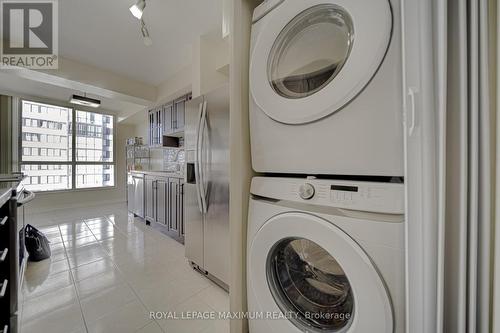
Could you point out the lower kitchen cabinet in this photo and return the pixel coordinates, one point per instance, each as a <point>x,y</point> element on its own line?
<point>175,209</point>
<point>149,198</point>
<point>162,206</point>
<point>165,204</point>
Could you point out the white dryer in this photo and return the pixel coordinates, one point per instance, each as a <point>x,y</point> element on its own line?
<point>325,256</point>
<point>325,87</point>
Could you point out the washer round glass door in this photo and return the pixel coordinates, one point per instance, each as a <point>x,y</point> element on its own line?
<point>306,278</point>
<point>306,268</point>
<point>311,58</point>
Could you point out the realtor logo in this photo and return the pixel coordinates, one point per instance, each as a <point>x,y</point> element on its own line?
<point>29,33</point>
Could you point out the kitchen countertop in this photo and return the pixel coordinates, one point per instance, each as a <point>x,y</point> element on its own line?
<point>5,195</point>
<point>7,190</point>
<point>159,173</point>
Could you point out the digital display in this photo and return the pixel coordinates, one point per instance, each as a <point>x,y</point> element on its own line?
<point>344,188</point>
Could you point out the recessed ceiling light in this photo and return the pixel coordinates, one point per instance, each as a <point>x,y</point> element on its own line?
<point>85,101</point>
<point>138,9</point>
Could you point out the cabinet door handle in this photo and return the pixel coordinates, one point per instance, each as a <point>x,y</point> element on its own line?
<point>4,288</point>
<point>4,255</point>
<point>4,220</point>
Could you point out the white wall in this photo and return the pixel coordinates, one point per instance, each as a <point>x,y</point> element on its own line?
<point>45,202</point>
<point>139,124</point>
<point>210,54</point>
<point>177,85</point>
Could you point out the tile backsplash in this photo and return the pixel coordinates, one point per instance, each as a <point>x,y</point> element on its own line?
<point>173,159</point>
<point>168,159</point>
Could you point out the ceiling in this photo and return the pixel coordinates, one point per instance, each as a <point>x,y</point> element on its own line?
<point>23,87</point>
<point>104,34</point>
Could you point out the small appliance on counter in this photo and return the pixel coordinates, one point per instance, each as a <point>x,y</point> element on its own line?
<point>13,255</point>
<point>136,141</point>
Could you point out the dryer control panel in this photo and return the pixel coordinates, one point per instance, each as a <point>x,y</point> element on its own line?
<point>385,198</point>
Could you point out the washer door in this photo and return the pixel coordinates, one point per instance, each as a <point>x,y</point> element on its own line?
<point>307,268</point>
<point>312,58</point>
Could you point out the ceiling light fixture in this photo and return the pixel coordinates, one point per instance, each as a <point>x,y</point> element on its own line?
<point>138,9</point>
<point>85,101</point>
<point>145,34</point>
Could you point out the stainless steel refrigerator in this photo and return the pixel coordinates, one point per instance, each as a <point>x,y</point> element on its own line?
<point>206,189</point>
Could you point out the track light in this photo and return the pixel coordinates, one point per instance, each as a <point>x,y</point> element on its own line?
<point>85,101</point>
<point>145,34</point>
<point>138,9</point>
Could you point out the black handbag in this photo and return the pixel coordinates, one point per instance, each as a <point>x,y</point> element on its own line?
<point>37,244</point>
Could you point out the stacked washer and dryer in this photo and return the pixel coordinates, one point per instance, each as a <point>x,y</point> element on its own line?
<point>326,220</point>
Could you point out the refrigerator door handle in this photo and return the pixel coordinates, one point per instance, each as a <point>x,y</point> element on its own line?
<point>197,160</point>
<point>203,190</point>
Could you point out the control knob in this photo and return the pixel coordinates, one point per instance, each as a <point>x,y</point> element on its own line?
<point>306,191</point>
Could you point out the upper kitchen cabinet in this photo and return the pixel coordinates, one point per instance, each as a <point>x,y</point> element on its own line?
<point>168,116</point>
<point>179,114</point>
<point>155,127</point>
<point>167,120</point>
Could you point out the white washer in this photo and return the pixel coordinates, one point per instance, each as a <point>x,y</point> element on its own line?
<point>325,87</point>
<point>327,253</point>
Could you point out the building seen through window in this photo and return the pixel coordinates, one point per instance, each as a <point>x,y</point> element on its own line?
<point>47,148</point>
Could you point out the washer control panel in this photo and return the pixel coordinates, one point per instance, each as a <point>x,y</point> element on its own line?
<point>355,195</point>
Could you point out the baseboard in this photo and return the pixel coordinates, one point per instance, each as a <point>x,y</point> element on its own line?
<point>76,205</point>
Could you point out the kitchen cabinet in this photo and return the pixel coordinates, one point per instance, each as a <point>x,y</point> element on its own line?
<point>130,193</point>
<point>165,204</point>
<point>178,115</point>
<point>167,120</point>
<point>155,127</point>
<point>149,198</point>
<point>161,201</point>
<point>175,219</point>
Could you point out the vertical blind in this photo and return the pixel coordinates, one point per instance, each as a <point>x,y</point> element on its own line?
<point>469,192</point>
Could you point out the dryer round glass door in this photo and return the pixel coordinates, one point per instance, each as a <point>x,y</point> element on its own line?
<point>309,270</point>
<point>301,63</point>
<point>313,57</point>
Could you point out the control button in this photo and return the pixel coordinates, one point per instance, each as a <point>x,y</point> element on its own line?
<point>306,191</point>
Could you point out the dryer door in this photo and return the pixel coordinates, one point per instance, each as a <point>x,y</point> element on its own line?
<point>304,267</point>
<point>313,57</point>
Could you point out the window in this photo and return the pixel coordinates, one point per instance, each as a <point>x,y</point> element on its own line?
<point>55,155</point>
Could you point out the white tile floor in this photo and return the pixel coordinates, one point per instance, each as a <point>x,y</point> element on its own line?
<point>107,272</point>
